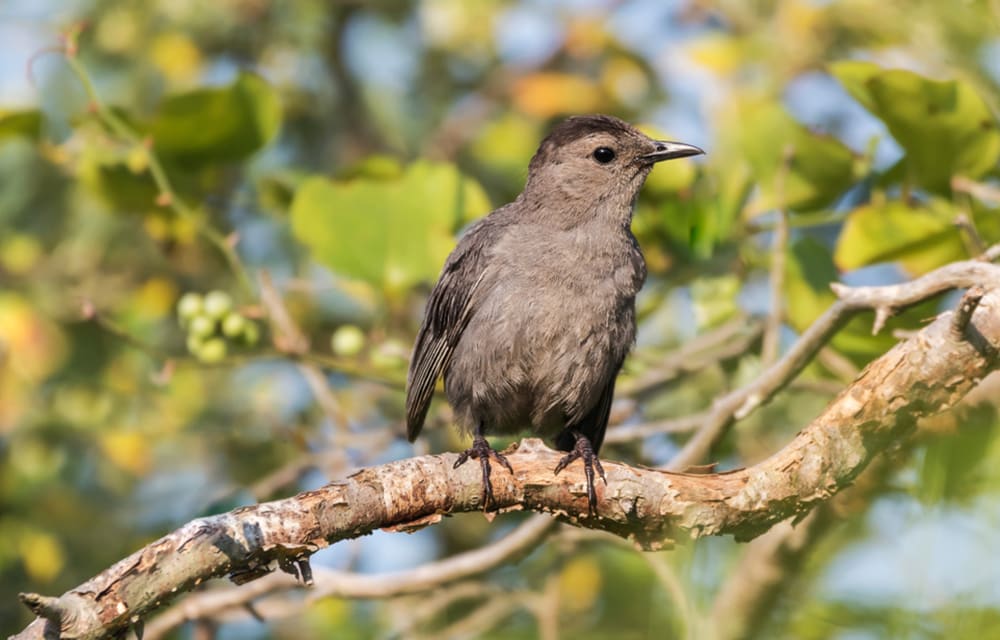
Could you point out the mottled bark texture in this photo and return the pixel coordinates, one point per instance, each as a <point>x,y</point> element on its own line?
<point>925,374</point>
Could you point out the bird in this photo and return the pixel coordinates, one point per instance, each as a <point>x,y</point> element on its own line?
<point>534,310</point>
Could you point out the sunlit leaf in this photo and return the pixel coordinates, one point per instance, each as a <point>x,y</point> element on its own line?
<point>176,55</point>
<point>217,124</point>
<point>721,54</point>
<point>376,166</point>
<point>42,555</point>
<point>945,127</point>
<point>715,299</point>
<point>587,36</point>
<point>128,450</point>
<point>625,79</point>
<point>810,270</point>
<point>920,238</point>
<point>854,75</point>
<point>36,346</point>
<point>506,144</point>
<point>580,582</point>
<point>819,168</point>
<point>19,253</point>
<point>391,233</point>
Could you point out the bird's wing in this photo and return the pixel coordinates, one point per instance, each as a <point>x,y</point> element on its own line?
<point>447,314</point>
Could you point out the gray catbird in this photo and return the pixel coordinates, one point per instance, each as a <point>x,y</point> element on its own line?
<point>534,310</point>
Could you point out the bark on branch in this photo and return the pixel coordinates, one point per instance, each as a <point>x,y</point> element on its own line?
<point>922,375</point>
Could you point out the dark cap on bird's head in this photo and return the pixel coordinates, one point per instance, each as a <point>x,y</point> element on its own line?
<point>582,127</point>
<point>596,158</point>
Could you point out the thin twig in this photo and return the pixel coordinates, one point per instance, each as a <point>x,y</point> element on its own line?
<point>730,340</point>
<point>418,610</point>
<point>667,577</point>
<point>90,312</point>
<point>630,432</point>
<point>288,338</point>
<point>776,278</point>
<point>481,619</point>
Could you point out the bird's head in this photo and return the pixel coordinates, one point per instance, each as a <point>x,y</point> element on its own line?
<point>595,161</point>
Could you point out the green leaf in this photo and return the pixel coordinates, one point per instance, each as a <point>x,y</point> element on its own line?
<point>391,233</point>
<point>919,238</point>
<point>275,190</point>
<point>505,145</point>
<point>820,168</point>
<point>27,124</point>
<point>945,127</point>
<point>219,124</point>
<point>854,76</point>
<point>809,271</point>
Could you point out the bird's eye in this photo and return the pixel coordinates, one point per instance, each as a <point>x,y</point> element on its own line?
<point>604,155</point>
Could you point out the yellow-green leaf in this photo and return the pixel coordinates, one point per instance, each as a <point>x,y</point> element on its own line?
<point>945,127</point>
<point>809,271</point>
<point>854,75</point>
<point>820,168</point>
<point>919,238</point>
<point>391,233</point>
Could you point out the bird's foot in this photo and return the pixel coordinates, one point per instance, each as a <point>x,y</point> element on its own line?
<point>585,451</point>
<point>482,450</point>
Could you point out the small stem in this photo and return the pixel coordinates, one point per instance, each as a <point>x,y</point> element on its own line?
<point>963,314</point>
<point>168,196</point>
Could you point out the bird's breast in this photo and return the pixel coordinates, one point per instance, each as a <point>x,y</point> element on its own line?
<point>550,330</point>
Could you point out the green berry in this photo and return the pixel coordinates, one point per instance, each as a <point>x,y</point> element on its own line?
<point>212,351</point>
<point>233,325</point>
<point>251,333</point>
<point>194,344</point>
<point>347,341</point>
<point>218,304</point>
<point>201,326</point>
<point>190,305</point>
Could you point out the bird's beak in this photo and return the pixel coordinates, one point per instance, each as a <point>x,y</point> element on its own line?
<point>664,150</point>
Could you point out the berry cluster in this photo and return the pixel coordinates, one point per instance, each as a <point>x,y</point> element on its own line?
<point>213,325</point>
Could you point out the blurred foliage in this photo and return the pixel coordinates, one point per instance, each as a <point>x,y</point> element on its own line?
<point>405,233</point>
<point>158,155</point>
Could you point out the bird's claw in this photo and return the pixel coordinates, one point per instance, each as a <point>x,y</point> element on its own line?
<point>482,450</point>
<point>585,451</point>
